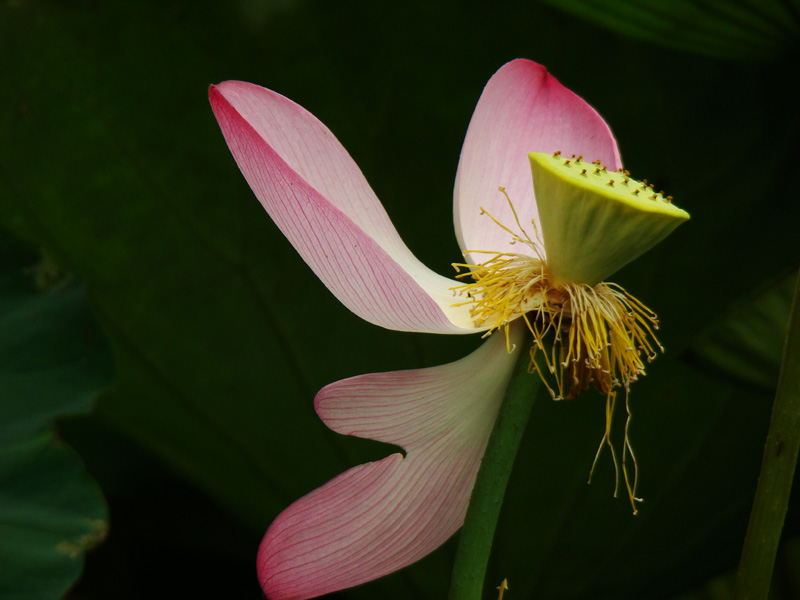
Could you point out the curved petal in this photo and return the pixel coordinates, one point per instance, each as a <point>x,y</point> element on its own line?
<point>321,202</point>
<point>522,109</point>
<point>379,517</point>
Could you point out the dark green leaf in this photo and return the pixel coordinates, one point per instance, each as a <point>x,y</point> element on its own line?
<point>52,363</point>
<point>747,342</point>
<point>735,29</point>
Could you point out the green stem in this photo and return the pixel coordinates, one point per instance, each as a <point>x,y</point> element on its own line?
<point>475,541</point>
<point>777,471</point>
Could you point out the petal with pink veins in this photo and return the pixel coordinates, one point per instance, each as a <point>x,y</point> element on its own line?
<point>522,109</point>
<point>322,203</point>
<point>379,517</point>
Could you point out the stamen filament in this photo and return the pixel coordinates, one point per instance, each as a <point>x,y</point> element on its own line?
<point>600,334</point>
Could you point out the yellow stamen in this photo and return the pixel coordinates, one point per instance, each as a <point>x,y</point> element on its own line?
<point>600,334</point>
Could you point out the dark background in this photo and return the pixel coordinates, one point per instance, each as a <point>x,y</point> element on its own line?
<point>208,336</point>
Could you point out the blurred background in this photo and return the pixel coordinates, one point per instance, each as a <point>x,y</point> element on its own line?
<point>161,343</point>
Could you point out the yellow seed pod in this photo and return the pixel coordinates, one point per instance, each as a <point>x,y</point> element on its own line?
<point>595,221</point>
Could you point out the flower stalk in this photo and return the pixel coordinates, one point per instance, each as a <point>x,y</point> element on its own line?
<point>477,534</point>
<point>777,472</point>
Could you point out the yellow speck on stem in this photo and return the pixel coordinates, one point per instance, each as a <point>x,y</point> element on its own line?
<point>502,588</point>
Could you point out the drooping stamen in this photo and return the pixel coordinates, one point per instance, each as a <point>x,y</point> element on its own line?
<point>600,334</point>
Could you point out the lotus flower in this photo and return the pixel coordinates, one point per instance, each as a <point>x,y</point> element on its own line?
<point>536,255</point>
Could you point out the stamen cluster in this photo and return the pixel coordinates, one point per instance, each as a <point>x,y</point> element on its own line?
<point>601,335</point>
<point>583,336</point>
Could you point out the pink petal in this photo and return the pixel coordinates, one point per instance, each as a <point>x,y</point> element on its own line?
<point>321,202</point>
<point>522,109</point>
<point>379,517</point>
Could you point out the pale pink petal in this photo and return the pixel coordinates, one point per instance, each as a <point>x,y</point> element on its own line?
<point>522,109</point>
<point>321,202</point>
<point>382,516</point>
